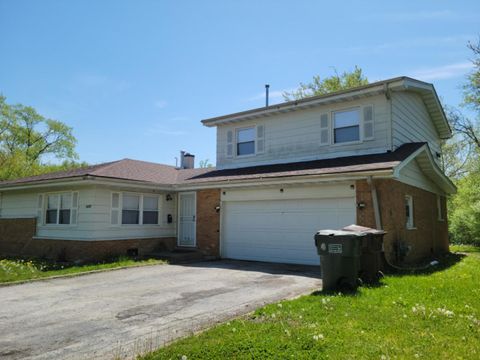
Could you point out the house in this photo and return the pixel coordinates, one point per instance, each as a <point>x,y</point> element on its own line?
<point>369,155</point>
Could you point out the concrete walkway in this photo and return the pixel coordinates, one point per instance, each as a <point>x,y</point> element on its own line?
<point>121,313</point>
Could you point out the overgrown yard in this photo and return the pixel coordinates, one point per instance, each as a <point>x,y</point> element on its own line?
<point>21,269</point>
<point>429,315</point>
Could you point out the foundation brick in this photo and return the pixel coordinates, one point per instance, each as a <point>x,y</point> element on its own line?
<point>430,236</point>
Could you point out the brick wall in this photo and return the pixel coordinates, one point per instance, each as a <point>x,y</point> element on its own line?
<point>72,250</point>
<point>15,235</point>
<point>208,222</point>
<point>430,235</point>
<point>17,239</point>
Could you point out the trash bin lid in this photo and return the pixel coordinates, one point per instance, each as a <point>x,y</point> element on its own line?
<point>363,229</point>
<point>339,233</point>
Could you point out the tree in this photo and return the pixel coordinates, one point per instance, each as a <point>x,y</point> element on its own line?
<point>336,82</point>
<point>471,90</point>
<point>465,127</point>
<point>205,164</point>
<point>465,217</point>
<point>465,205</point>
<point>27,138</point>
<point>456,157</point>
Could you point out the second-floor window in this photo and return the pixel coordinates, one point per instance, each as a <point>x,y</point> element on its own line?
<point>346,126</point>
<point>246,141</point>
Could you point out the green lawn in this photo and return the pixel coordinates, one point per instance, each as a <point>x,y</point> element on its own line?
<point>429,315</point>
<point>21,269</point>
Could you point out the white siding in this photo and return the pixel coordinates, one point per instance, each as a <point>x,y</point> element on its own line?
<point>412,123</point>
<point>295,136</point>
<point>412,174</point>
<point>94,222</point>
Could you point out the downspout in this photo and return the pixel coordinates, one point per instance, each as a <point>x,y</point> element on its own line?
<point>376,207</point>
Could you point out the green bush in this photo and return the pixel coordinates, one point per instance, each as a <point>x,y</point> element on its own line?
<point>465,211</point>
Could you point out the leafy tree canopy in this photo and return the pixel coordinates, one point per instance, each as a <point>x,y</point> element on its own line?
<point>471,90</point>
<point>27,139</point>
<point>319,86</point>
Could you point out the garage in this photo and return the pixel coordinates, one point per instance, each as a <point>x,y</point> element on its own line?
<point>278,224</point>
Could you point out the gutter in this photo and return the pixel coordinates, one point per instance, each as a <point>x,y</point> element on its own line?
<point>86,180</point>
<point>91,180</point>
<point>376,205</point>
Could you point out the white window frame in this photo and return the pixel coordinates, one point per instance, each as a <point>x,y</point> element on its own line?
<point>73,221</point>
<point>360,127</point>
<point>441,215</point>
<point>410,220</point>
<point>254,128</point>
<point>140,208</point>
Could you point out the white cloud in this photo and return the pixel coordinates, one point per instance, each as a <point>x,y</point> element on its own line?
<point>443,72</point>
<point>160,104</point>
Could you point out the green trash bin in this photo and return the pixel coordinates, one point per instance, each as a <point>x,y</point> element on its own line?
<point>340,253</point>
<point>371,260</point>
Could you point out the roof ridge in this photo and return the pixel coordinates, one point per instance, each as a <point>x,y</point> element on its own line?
<point>106,165</point>
<point>150,162</point>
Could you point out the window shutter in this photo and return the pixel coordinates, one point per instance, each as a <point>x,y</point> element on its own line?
<point>74,209</point>
<point>368,123</point>
<point>115,209</point>
<point>229,143</point>
<point>40,210</point>
<point>260,139</point>
<point>160,206</point>
<point>324,129</point>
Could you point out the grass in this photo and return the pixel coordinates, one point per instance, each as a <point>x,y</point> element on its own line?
<point>430,315</point>
<point>12,270</point>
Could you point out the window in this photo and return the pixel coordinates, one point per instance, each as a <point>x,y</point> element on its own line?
<point>131,209</point>
<point>440,208</point>
<point>136,209</point>
<point>346,126</point>
<point>409,212</point>
<point>61,208</point>
<point>245,141</point>
<point>150,209</point>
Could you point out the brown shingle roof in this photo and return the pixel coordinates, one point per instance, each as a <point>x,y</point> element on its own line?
<point>348,164</point>
<point>135,170</point>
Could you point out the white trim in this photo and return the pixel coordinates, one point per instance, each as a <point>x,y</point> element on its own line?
<point>235,142</point>
<point>410,223</point>
<point>95,238</point>
<point>43,223</point>
<point>332,131</point>
<point>445,183</point>
<point>440,213</point>
<point>194,223</point>
<point>140,209</point>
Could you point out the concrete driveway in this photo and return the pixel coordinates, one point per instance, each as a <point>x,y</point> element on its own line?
<point>121,313</point>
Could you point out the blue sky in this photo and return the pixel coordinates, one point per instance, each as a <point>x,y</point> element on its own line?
<point>134,78</point>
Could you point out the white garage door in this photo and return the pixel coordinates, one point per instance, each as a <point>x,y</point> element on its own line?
<point>281,230</point>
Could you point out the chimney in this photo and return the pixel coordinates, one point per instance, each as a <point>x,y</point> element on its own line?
<point>266,94</point>
<point>187,161</point>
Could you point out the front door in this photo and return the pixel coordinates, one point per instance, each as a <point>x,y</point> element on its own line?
<point>187,215</point>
